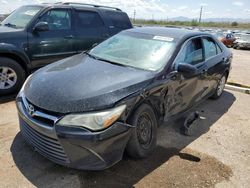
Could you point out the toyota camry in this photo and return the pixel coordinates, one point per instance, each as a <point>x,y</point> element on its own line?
<point>85,111</point>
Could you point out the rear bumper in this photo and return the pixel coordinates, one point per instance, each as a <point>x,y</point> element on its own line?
<point>75,147</point>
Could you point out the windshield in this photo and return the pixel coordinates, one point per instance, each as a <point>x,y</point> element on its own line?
<point>142,51</point>
<point>21,16</point>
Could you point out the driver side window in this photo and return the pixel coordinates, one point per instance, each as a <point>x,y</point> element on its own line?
<point>57,19</point>
<point>192,53</point>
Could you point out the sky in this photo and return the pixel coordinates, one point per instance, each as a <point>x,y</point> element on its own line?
<point>159,9</point>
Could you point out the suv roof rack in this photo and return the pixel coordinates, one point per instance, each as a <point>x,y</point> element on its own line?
<point>89,5</point>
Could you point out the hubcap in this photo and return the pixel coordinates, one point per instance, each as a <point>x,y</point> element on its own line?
<point>144,130</point>
<point>221,86</point>
<point>8,77</point>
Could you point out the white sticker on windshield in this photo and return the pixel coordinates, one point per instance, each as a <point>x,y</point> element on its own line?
<point>168,39</point>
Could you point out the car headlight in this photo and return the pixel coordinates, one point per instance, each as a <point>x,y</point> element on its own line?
<point>93,121</point>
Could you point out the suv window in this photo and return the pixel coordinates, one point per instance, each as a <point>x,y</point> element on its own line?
<point>210,48</point>
<point>88,19</point>
<point>119,19</point>
<point>57,19</point>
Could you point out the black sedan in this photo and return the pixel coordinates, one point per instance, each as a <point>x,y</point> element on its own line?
<point>86,111</point>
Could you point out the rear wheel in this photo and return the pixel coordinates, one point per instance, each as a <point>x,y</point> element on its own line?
<point>143,139</point>
<point>12,76</point>
<point>220,88</point>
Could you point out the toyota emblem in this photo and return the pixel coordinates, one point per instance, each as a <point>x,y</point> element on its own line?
<point>31,110</point>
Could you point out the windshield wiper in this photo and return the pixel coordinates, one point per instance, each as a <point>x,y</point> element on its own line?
<point>105,60</point>
<point>10,25</point>
<point>90,55</point>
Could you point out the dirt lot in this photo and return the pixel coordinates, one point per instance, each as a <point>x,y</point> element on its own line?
<point>217,155</point>
<point>241,67</point>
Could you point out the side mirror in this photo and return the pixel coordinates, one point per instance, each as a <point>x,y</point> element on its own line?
<point>187,70</point>
<point>41,26</point>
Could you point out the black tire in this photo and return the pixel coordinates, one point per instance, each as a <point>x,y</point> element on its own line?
<point>17,69</point>
<point>217,94</point>
<point>139,145</point>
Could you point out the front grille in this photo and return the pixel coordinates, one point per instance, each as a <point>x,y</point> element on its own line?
<point>42,116</point>
<point>46,146</point>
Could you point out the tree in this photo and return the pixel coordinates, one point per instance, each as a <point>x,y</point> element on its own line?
<point>234,24</point>
<point>194,22</point>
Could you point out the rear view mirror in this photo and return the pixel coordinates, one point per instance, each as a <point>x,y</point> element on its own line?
<point>41,26</point>
<point>187,70</point>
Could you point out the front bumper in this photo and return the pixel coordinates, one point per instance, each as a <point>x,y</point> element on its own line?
<point>75,147</point>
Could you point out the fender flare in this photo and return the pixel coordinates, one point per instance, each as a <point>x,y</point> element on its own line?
<point>10,49</point>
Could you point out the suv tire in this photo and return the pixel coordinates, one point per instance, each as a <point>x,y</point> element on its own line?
<point>12,76</point>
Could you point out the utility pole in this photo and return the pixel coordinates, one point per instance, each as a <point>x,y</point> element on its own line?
<point>134,15</point>
<point>200,14</point>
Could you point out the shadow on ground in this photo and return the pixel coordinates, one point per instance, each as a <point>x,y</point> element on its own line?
<point>43,173</point>
<point>8,98</point>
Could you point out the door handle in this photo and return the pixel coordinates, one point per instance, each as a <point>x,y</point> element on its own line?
<point>224,59</point>
<point>69,37</point>
<point>204,71</point>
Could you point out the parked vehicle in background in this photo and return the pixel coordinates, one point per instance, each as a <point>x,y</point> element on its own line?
<point>228,40</point>
<point>242,42</point>
<point>112,98</point>
<point>36,35</point>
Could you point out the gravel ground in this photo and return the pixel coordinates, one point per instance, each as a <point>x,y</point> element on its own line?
<point>241,67</point>
<point>216,155</point>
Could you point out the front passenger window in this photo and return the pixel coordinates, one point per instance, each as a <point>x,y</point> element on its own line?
<point>57,19</point>
<point>192,53</point>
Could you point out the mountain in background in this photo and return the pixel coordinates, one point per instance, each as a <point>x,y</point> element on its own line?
<point>186,19</point>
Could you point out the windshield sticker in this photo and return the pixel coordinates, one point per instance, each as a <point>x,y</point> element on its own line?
<point>168,39</point>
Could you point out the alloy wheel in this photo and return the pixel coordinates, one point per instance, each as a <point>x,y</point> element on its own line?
<point>8,77</point>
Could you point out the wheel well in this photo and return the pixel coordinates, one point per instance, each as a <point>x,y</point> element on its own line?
<point>15,57</point>
<point>148,102</point>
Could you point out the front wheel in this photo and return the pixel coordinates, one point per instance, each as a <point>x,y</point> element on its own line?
<point>143,139</point>
<point>12,76</point>
<point>220,88</point>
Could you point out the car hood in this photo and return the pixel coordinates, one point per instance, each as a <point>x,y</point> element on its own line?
<point>4,29</point>
<point>81,83</point>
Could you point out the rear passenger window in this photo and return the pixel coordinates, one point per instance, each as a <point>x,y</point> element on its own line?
<point>210,48</point>
<point>88,19</point>
<point>119,19</point>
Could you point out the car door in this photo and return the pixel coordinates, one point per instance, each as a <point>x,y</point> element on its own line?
<point>185,92</point>
<point>214,61</point>
<point>56,43</point>
<point>89,29</point>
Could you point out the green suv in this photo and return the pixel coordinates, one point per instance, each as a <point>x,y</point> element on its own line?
<point>36,35</point>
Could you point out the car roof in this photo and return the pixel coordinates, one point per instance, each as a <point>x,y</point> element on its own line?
<point>77,5</point>
<point>176,33</point>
